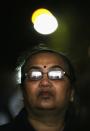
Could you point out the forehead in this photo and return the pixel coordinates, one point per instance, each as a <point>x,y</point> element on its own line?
<point>45,59</point>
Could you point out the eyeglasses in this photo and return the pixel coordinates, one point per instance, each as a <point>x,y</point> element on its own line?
<point>55,73</point>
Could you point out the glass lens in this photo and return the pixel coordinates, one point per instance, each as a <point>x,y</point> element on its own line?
<point>35,75</point>
<point>56,75</point>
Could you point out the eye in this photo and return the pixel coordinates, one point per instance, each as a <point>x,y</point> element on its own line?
<point>35,75</point>
<point>56,73</point>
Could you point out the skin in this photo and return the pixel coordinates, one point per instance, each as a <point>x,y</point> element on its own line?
<point>47,100</point>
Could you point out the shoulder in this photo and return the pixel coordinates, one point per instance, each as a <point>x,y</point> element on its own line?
<point>13,125</point>
<point>20,122</point>
<point>6,127</point>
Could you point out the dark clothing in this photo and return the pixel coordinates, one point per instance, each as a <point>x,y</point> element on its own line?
<point>20,123</point>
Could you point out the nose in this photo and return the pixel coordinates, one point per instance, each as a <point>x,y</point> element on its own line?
<point>45,82</point>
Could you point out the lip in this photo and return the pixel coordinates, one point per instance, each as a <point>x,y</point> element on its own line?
<point>45,94</point>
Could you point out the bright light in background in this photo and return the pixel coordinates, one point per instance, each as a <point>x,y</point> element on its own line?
<point>44,21</point>
<point>18,75</point>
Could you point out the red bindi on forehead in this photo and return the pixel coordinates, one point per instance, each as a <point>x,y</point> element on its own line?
<point>45,66</point>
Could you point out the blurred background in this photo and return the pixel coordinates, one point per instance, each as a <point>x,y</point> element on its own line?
<point>17,35</point>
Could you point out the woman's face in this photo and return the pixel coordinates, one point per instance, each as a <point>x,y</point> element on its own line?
<point>45,93</point>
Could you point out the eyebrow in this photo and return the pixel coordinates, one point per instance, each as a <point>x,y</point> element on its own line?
<point>37,67</point>
<point>34,67</point>
<point>57,66</point>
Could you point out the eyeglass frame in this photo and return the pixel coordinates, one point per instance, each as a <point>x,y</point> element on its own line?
<point>27,76</point>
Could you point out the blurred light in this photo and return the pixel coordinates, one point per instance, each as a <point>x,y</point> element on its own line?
<point>18,75</point>
<point>44,21</point>
<point>18,71</point>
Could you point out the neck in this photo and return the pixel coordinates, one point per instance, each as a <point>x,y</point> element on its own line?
<point>47,120</point>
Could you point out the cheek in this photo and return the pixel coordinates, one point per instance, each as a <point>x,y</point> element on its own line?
<point>30,90</point>
<point>63,91</point>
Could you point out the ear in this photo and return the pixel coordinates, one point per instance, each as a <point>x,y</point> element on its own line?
<point>72,95</point>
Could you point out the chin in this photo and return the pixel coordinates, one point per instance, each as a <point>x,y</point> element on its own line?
<point>46,106</point>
